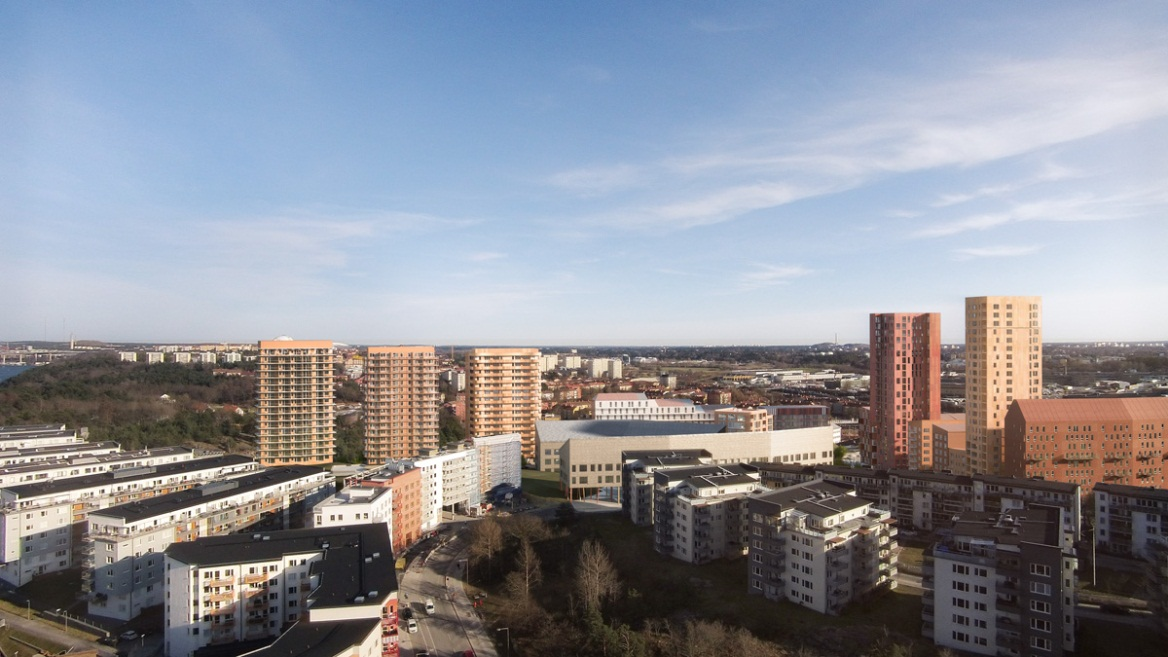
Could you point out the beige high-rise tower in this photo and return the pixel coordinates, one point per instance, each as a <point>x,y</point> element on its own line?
<point>1003,362</point>
<point>401,402</point>
<point>294,395</point>
<point>503,394</point>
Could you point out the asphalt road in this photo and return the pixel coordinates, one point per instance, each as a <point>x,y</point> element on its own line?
<point>454,626</point>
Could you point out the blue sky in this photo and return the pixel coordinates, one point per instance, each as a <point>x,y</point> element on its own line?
<point>578,173</point>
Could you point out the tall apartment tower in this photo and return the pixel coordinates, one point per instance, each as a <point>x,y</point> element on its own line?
<point>1003,362</point>
<point>401,402</point>
<point>905,375</point>
<point>295,402</point>
<point>503,394</point>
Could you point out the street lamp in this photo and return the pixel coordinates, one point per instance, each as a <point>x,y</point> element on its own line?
<point>508,636</point>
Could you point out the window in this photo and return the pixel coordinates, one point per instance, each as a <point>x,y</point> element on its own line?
<point>1040,624</point>
<point>1040,588</point>
<point>1040,570</point>
<point>960,586</point>
<point>1040,606</point>
<point>1039,643</point>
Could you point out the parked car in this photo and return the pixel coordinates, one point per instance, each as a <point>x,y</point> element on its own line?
<point>412,625</point>
<point>430,606</point>
<point>128,635</point>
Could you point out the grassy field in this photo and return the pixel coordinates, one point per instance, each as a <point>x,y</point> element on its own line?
<point>1102,639</point>
<point>15,642</point>
<point>542,486</point>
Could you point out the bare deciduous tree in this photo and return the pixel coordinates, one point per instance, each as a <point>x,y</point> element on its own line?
<point>596,578</point>
<point>486,540</point>
<point>527,577</point>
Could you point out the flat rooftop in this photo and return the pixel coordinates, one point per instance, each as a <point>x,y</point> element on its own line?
<point>39,488</point>
<point>162,505</point>
<point>319,639</point>
<point>1034,524</point>
<point>565,430</point>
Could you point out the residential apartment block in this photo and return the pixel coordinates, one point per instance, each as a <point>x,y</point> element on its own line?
<point>27,436</point>
<point>406,497</point>
<point>1002,584</point>
<point>929,500</point>
<point>401,402</point>
<point>1003,362</point>
<point>699,513</point>
<point>78,466</point>
<point>744,419</point>
<point>15,456</point>
<point>1130,520</point>
<point>355,505</point>
<point>42,523</point>
<point>905,382</point>
<point>1088,441</point>
<point>328,591</point>
<point>818,545</point>
<point>123,564</point>
<point>449,480</point>
<point>294,402</point>
<point>637,477</point>
<point>798,417</point>
<point>500,460</point>
<point>503,394</point>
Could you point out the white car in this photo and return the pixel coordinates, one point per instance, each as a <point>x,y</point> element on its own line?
<point>412,625</point>
<point>430,606</point>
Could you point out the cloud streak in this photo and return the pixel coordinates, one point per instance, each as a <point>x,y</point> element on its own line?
<point>1002,251</point>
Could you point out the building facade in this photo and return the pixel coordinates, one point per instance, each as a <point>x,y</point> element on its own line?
<point>1088,441</point>
<point>699,513</point>
<point>500,460</point>
<point>817,545</point>
<point>295,418</point>
<point>503,394</point>
<point>401,402</point>
<point>1130,520</point>
<point>1003,362</point>
<point>1002,584</point>
<point>124,544</point>
<point>905,382</point>
<point>637,478</point>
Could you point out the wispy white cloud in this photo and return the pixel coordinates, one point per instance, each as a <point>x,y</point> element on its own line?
<point>486,256</point>
<point>1001,251</point>
<point>996,110</point>
<point>1075,207</point>
<point>599,180</point>
<point>765,275</point>
<point>1050,173</point>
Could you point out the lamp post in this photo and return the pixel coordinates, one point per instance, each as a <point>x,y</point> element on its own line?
<point>508,637</point>
<point>28,615</point>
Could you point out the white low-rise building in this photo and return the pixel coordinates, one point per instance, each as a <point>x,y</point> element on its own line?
<point>500,460</point>
<point>636,406</point>
<point>355,505</point>
<point>450,480</point>
<point>79,466</point>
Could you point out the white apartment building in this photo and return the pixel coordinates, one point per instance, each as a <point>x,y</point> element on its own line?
<point>1002,584</point>
<point>182,357</point>
<point>599,368</point>
<point>153,357</point>
<point>500,460</point>
<point>128,356</point>
<point>124,544</point>
<point>818,545</point>
<point>355,505</point>
<point>548,363</point>
<point>637,478</point>
<point>1130,521</point>
<point>37,435</point>
<point>78,466</point>
<point>42,523</point>
<point>11,456</point>
<point>700,513</point>
<point>327,591</point>
<point>571,361</point>
<point>449,480</point>
<point>636,406</point>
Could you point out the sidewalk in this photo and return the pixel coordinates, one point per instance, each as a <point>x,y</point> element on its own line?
<point>469,620</point>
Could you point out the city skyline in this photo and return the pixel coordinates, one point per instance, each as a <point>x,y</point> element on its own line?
<point>604,174</point>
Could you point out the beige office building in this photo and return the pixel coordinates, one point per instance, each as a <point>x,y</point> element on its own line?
<point>503,388</point>
<point>401,402</point>
<point>295,402</point>
<point>1003,362</point>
